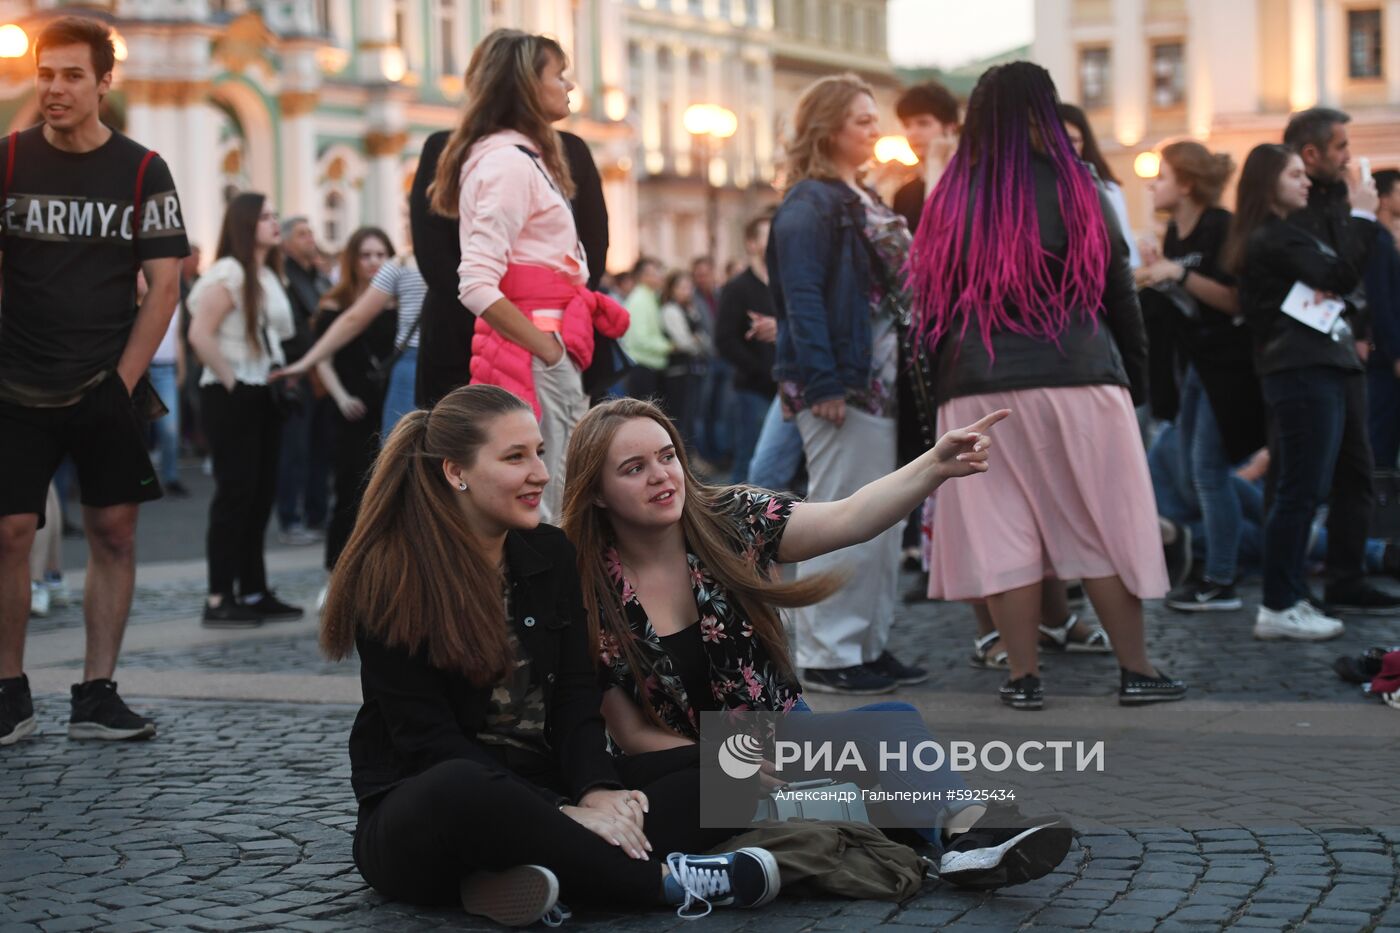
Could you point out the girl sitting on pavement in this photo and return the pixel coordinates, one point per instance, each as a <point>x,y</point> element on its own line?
<point>478,756</point>
<point>682,601</point>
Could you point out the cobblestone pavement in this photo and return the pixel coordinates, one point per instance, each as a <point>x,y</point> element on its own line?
<point>238,816</point>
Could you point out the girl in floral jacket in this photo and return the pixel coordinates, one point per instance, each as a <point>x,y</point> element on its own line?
<point>682,597</point>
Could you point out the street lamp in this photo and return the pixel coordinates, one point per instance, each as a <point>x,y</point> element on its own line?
<point>710,125</point>
<point>895,149</point>
<point>13,41</point>
<point>1147,164</point>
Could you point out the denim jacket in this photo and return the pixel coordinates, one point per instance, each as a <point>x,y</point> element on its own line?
<point>820,277</point>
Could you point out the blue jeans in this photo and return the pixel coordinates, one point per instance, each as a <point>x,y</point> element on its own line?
<point>714,438</point>
<point>778,452</point>
<point>1308,410</point>
<point>749,410</point>
<point>162,376</point>
<point>1383,415</point>
<point>905,728</point>
<point>399,400</point>
<point>1211,473</point>
<point>303,472</point>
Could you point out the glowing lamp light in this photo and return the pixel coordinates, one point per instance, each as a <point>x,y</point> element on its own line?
<point>394,65</point>
<point>710,120</point>
<point>13,41</point>
<point>1147,164</point>
<point>895,149</point>
<point>575,100</point>
<point>615,104</point>
<point>118,46</point>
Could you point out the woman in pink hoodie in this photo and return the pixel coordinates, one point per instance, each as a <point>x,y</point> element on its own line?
<point>504,177</point>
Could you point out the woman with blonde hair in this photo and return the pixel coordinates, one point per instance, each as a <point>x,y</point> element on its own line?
<point>1221,420</point>
<point>834,254</point>
<point>504,177</point>
<point>478,756</point>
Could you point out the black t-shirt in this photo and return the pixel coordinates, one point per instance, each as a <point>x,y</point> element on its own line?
<point>688,659</point>
<point>354,361</point>
<point>1216,337</point>
<point>69,261</point>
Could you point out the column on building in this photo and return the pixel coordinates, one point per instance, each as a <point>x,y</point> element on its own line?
<point>384,144</point>
<point>1130,91</point>
<point>1390,50</point>
<point>653,158</point>
<point>1303,39</point>
<point>301,79</point>
<point>765,149</point>
<point>196,169</point>
<point>377,56</point>
<point>1222,50</point>
<point>1052,47</point>
<point>682,96</point>
<point>1331,54</point>
<point>620,193</point>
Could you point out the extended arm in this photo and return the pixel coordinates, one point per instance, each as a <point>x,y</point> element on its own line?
<point>345,328</point>
<point>817,528</point>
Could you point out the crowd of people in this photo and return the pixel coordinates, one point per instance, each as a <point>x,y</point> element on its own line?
<point>533,693</point>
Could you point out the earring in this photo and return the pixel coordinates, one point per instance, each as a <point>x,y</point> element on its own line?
<point>462,486</point>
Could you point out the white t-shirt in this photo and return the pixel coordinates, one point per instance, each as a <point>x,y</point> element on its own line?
<point>250,366</point>
<point>165,353</point>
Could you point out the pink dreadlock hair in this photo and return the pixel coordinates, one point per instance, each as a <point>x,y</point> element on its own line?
<point>993,272</point>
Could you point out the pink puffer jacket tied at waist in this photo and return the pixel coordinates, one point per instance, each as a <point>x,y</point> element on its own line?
<point>496,361</point>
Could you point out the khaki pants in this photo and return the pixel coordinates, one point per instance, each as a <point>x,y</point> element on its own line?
<point>559,389</point>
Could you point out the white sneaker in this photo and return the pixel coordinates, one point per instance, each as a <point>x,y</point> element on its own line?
<point>38,599</point>
<point>1309,609</point>
<point>58,593</point>
<point>1295,623</point>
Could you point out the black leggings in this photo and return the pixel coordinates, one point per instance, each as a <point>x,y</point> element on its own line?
<point>244,432</point>
<point>417,842</point>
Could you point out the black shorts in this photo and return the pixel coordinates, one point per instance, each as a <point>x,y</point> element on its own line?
<point>103,434</point>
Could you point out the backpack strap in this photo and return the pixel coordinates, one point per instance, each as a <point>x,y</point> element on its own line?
<point>135,201</point>
<point>10,163</point>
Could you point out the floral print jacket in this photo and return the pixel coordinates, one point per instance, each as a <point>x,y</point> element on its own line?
<point>742,674</point>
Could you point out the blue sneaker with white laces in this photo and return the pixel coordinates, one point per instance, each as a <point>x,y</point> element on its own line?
<point>747,877</point>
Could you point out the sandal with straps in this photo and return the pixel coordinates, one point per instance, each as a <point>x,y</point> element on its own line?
<point>1060,639</point>
<point>986,656</point>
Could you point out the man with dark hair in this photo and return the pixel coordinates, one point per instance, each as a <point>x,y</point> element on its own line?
<point>85,209</point>
<point>303,469</point>
<point>929,114</point>
<point>1341,214</point>
<point>745,332</point>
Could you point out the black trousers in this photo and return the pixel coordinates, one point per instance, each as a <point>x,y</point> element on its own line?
<point>417,841</point>
<point>1351,499</point>
<point>355,446</point>
<point>244,433</point>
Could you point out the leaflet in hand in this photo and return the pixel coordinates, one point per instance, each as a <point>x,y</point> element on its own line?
<point>1306,304</point>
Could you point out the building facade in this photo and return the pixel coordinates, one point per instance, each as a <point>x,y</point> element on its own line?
<point>1227,74</point>
<point>325,104</point>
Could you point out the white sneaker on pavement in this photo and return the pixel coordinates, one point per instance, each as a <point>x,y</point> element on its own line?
<point>1299,622</point>
<point>1309,609</point>
<point>38,599</point>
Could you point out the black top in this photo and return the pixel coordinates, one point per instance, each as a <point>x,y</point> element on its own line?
<point>1109,348</point>
<point>752,359</point>
<point>415,716</point>
<point>909,202</point>
<point>304,290</point>
<point>1219,343</point>
<point>445,328</point>
<point>354,361</point>
<point>69,260</point>
<point>1279,255</point>
<point>1328,217</point>
<point>692,665</point>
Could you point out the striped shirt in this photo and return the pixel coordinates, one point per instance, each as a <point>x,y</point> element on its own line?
<point>405,283</point>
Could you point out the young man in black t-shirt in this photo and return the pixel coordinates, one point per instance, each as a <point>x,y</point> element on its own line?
<point>84,209</point>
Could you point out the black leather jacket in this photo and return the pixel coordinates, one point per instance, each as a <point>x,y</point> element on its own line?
<point>1279,254</point>
<point>415,715</point>
<point>1106,349</point>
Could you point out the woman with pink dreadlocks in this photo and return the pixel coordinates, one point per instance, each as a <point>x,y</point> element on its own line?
<point>1023,291</point>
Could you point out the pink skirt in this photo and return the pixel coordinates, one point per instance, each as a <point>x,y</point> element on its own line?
<point>1068,495</point>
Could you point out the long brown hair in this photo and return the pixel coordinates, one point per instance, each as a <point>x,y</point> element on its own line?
<point>239,238</point>
<point>709,534</point>
<point>503,93</point>
<point>413,575</point>
<point>352,285</point>
<point>821,112</point>
<point>1255,200</point>
<point>1205,171</point>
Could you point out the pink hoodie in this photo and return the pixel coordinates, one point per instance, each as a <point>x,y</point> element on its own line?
<point>511,214</point>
